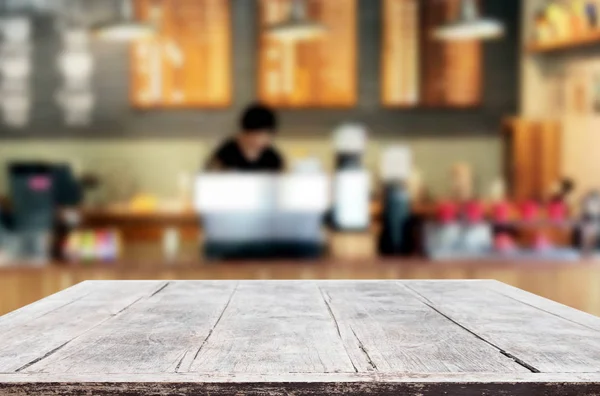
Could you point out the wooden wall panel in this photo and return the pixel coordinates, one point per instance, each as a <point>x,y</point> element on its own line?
<point>317,74</point>
<point>550,155</point>
<point>443,74</point>
<point>534,157</point>
<point>401,53</point>
<point>189,63</point>
<point>463,68</point>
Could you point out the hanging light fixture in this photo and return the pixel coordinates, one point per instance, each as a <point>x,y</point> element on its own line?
<point>469,25</point>
<point>126,28</point>
<point>297,27</point>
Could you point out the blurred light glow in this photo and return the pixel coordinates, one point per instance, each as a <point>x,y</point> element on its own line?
<point>16,29</point>
<point>16,108</point>
<point>16,69</point>
<point>350,138</point>
<point>233,193</point>
<point>76,64</point>
<point>304,193</point>
<point>396,163</point>
<point>125,31</point>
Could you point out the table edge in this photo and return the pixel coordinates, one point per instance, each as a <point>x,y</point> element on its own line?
<point>196,378</point>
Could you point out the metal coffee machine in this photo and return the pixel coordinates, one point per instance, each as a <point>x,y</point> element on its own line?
<point>351,181</point>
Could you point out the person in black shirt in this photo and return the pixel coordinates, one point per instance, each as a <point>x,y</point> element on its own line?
<point>251,150</point>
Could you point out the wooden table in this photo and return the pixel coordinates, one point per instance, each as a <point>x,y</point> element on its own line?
<point>302,338</point>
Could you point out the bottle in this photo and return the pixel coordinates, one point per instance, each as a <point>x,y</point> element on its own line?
<point>171,241</point>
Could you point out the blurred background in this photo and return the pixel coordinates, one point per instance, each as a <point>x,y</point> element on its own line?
<point>431,139</point>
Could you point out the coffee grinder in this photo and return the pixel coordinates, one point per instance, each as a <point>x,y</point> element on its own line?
<point>351,182</point>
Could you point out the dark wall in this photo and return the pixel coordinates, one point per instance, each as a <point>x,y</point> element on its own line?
<point>114,117</point>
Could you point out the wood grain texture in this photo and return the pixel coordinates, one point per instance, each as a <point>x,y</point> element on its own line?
<point>546,305</point>
<point>386,329</point>
<point>539,340</point>
<point>275,327</point>
<point>533,157</point>
<point>401,53</point>
<point>32,334</point>
<point>320,73</point>
<point>188,64</point>
<point>301,338</point>
<point>452,72</point>
<point>158,334</point>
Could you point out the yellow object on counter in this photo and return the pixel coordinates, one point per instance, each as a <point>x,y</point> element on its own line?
<point>144,203</point>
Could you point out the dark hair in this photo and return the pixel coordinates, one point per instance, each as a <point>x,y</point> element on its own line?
<point>259,117</point>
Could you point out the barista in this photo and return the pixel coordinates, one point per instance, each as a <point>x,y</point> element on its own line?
<point>251,149</point>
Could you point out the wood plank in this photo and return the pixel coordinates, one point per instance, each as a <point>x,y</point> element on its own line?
<point>385,328</point>
<point>537,339</point>
<point>188,64</point>
<point>157,335</point>
<point>303,385</point>
<point>87,289</point>
<point>45,305</point>
<point>543,304</point>
<point>320,73</point>
<point>452,73</point>
<point>274,327</point>
<point>401,53</point>
<point>24,343</point>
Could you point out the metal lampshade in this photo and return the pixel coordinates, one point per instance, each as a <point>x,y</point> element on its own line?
<point>126,28</point>
<point>297,27</point>
<point>469,25</point>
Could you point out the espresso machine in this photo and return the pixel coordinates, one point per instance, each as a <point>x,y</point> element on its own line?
<point>351,181</point>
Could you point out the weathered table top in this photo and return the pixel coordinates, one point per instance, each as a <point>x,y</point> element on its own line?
<point>300,338</point>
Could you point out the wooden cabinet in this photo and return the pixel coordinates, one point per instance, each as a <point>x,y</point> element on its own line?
<point>533,159</point>
<point>316,74</point>
<point>401,53</point>
<point>418,70</point>
<point>189,63</point>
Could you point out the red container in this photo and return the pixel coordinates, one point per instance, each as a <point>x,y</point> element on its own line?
<point>557,211</point>
<point>529,211</point>
<point>475,212</point>
<point>447,212</point>
<point>501,212</point>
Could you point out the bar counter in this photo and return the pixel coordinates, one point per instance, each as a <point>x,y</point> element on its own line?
<point>573,284</point>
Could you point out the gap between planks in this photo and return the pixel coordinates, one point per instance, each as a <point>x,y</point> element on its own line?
<point>326,299</point>
<point>190,364</point>
<point>543,310</point>
<point>430,304</point>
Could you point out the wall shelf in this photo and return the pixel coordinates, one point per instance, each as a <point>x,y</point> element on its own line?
<point>586,39</point>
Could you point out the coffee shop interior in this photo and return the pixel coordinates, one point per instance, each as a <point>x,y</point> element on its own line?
<point>419,139</point>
